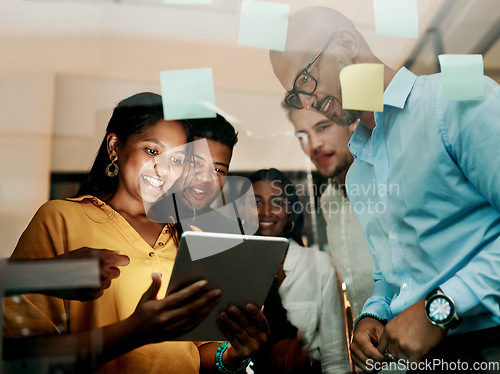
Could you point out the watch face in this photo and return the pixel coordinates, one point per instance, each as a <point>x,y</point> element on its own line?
<point>439,309</point>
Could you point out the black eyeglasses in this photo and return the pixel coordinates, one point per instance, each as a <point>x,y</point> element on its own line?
<point>304,82</point>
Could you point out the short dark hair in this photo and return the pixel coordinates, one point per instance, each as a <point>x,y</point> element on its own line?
<point>217,129</point>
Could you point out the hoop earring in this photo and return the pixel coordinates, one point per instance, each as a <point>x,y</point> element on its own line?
<point>293,225</point>
<point>112,169</point>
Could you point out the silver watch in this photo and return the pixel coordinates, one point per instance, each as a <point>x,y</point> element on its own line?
<point>440,310</point>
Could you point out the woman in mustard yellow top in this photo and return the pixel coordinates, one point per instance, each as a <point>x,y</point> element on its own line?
<point>140,158</point>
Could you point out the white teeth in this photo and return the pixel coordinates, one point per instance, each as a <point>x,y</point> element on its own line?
<point>327,105</point>
<point>155,182</point>
<point>198,191</point>
<point>266,224</point>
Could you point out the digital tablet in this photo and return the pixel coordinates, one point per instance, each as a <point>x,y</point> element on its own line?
<point>242,267</point>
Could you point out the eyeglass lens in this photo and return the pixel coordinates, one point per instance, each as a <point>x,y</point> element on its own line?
<point>305,83</point>
<point>292,99</point>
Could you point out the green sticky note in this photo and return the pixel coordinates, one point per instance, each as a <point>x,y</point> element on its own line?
<point>263,24</point>
<point>462,77</point>
<point>186,2</point>
<point>188,94</point>
<point>362,87</point>
<point>396,18</point>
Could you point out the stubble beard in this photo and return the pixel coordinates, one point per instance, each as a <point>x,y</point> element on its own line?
<point>342,166</point>
<point>348,116</point>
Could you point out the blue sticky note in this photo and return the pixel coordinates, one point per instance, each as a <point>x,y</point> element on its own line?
<point>187,2</point>
<point>188,94</point>
<point>263,24</point>
<point>396,18</point>
<point>462,77</point>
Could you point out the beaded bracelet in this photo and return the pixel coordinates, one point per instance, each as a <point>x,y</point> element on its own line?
<point>221,368</point>
<point>363,315</point>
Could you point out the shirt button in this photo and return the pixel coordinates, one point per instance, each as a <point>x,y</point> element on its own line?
<point>405,286</point>
<point>161,275</point>
<point>161,244</point>
<point>392,236</point>
<point>151,254</point>
<point>383,187</point>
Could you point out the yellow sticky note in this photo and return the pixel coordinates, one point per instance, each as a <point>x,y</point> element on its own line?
<point>362,87</point>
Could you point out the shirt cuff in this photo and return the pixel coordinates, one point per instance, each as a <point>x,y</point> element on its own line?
<point>464,299</point>
<point>369,315</point>
<point>378,308</point>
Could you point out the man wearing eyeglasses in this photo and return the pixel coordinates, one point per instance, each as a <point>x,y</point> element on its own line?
<point>435,240</point>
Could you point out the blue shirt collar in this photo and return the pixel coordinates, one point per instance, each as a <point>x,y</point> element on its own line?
<point>359,139</point>
<point>399,88</point>
<point>395,95</point>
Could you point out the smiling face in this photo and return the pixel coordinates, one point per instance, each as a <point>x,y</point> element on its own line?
<point>150,161</point>
<point>211,167</point>
<point>327,98</point>
<point>309,33</point>
<point>323,142</point>
<point>271,201</point>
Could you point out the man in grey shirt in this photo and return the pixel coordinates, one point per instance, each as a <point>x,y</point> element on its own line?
<point>326,145</point>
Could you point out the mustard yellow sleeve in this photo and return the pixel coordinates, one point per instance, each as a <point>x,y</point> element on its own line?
<point>46,234</point>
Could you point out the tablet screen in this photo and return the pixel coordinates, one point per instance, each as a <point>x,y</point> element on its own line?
<point>242,267</point>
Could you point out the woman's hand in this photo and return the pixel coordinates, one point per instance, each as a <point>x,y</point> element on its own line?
<point>365,341</point>
<point>246,330</point>
<point>108,270</point>
<point>156,320</point>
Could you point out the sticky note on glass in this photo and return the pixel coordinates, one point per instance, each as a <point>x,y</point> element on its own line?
<point>263,24</point>
<point>188,94</point>
<point>462,77</point>
<point>362,87</point>
<point>186,2</point>
<point>396,18</point>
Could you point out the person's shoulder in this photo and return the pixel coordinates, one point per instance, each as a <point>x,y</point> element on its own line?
<point>322,261</point>
<point>491,83</point>
<point>320,256</point>
<point>429,77</point>
<point>53,206</point>
<point>321,267</point>
<point>50,213</point>
<point>59,207</point>
<point>460,115</point>
<point>427,85</point>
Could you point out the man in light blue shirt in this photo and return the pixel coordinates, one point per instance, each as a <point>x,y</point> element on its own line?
<point>430,207</point>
